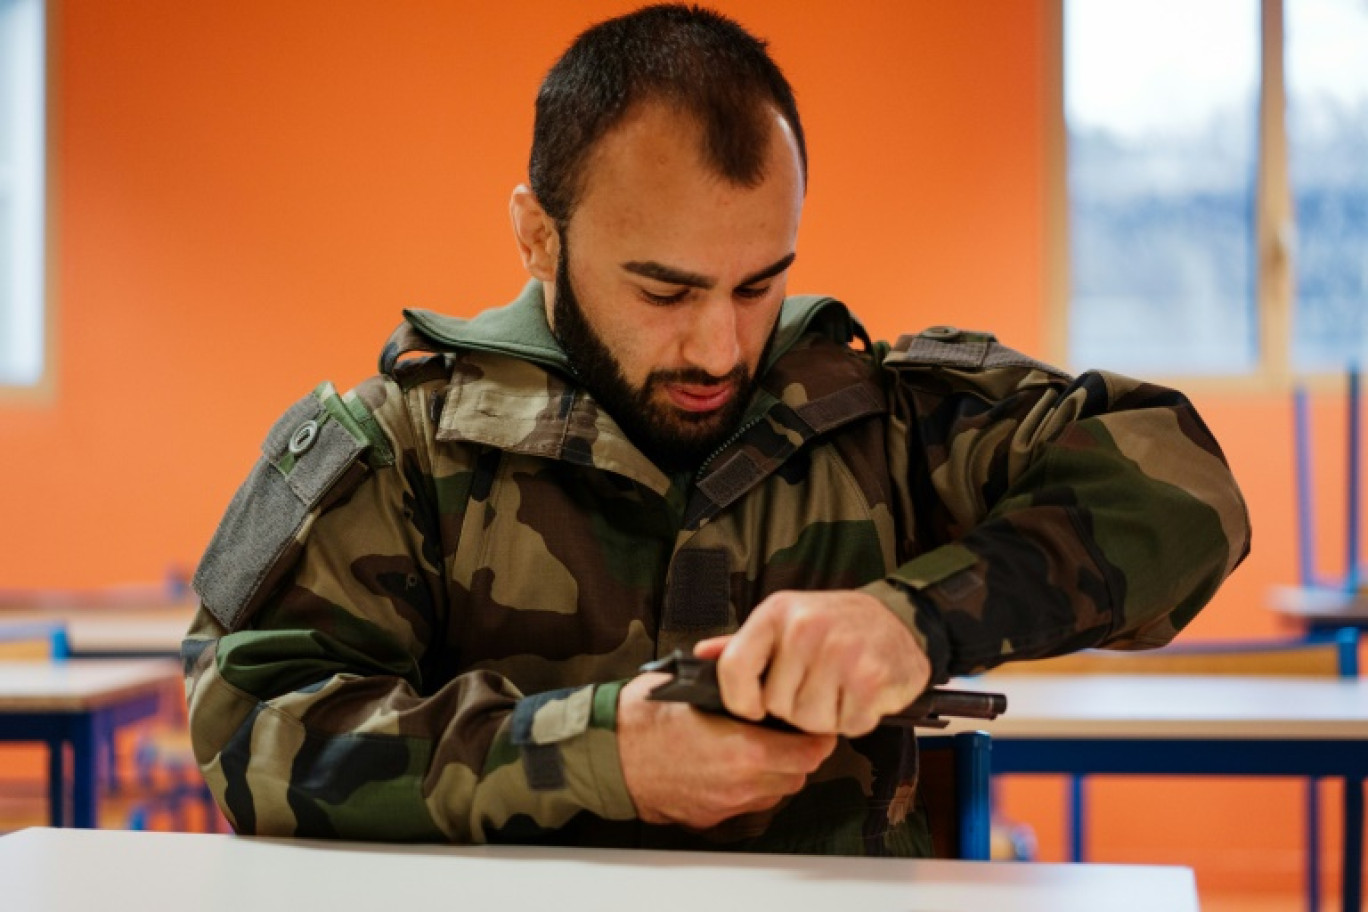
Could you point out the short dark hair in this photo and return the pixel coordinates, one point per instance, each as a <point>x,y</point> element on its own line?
<point>690,57</point>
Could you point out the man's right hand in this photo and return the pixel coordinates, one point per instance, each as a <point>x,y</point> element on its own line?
<point>694,769</point>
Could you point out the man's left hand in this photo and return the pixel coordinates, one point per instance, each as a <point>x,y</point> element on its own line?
<point>830,662</point>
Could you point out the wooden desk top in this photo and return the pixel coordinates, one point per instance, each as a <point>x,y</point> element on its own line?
<point>79,870</point>
<point>1174,706</point>
<point>80,684</point>
<point>1319,604</point>
<point>113,628</point>
<point>91,635</point>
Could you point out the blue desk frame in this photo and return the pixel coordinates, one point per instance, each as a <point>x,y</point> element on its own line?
<point>1346,759</point>
<point>85,730</point>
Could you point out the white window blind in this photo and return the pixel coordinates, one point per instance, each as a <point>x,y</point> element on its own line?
<point>22,183</point>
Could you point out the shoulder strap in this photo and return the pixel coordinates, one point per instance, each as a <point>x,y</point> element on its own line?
<point>403,341</point>
<point>946,346</point>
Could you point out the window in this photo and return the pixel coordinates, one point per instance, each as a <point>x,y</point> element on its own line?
<point>1213,229</point>
<point>1327,137</point>
<point>22,77</point>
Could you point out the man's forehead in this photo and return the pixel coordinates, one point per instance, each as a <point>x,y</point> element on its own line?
<point>648,130</point>
<point>651,199</point>
<point>657,134</point>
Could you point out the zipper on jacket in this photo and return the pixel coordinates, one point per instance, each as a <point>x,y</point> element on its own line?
<point>736,435</point>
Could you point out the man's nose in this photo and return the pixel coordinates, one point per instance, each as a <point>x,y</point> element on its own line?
<point>712,343</point>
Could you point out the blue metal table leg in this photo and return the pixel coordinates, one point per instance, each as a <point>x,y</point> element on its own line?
<point>1312,845</point>
<point>56,782</point>
<point>105,760</point>
<point>109,755</point>
<point>1352,872</point>
<point>85,763</point>
<point>1078,815</point>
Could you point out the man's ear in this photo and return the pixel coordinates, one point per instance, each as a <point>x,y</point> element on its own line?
<point>536,234</point>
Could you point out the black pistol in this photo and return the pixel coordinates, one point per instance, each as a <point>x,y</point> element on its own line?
<point>694,682</point>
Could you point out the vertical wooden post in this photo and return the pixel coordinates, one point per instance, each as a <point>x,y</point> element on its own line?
<point>1275,228</point>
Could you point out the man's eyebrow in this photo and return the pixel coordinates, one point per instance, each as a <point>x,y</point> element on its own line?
<point>672,276</point>
<point>769,271</point>
<point>668,274</point>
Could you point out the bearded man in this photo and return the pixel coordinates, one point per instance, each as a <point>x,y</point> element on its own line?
<point>424,613</point>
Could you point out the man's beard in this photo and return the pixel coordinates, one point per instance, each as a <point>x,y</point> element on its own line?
<point>674,439</point>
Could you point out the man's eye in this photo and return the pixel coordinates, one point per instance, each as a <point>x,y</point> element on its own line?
<point>665,299</point>
<point>752,292</point>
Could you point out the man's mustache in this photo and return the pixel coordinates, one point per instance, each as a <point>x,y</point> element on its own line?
<point>695,376</point>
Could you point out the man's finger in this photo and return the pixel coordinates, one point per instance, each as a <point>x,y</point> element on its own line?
<point>712,647</point>
<point>741,665</point>
<point>854,719</point>
<point>816,701</point>
<point>800,753</point>
<point>784,680</point>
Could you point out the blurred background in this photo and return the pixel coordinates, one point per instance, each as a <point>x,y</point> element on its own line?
<point>235,200</point>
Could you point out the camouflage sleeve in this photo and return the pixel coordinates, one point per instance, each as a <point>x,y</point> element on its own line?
<point>320,700</point>
<point>1051,513</point>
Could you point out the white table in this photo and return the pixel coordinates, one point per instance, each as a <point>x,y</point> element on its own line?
<point>78,702</point>
<point>1204,707</point>
<point>46,870</point>
<point>1189,725</point>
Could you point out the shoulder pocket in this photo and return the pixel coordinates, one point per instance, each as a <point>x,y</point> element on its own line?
<point>946,346</point>
<point>308,462</point>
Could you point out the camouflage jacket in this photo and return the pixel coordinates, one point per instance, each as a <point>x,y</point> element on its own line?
<point>420,607</point>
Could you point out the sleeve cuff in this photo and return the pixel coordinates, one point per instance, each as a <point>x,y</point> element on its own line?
<point>555,756</point>
<point>571,747</point>
<point>920,617</point>
<point>602,758</point>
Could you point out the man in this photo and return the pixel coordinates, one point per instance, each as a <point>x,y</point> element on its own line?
<point>424,612</point>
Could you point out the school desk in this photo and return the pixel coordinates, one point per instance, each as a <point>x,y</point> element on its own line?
<point>47,870</point>
<point>78,702</point>
<point>1189,725</point>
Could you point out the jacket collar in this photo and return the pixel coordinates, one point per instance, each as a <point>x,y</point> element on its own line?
<point>512,388</point>
<point>519,328</point>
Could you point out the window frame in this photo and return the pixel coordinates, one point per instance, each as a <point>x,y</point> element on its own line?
<point>42,391</point>
<point>1274,217</point>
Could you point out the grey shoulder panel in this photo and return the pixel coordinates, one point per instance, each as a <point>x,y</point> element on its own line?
<point>946,346</point>
<point>308,459</point>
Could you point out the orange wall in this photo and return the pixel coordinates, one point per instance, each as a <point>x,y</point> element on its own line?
<point>245,194</point>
